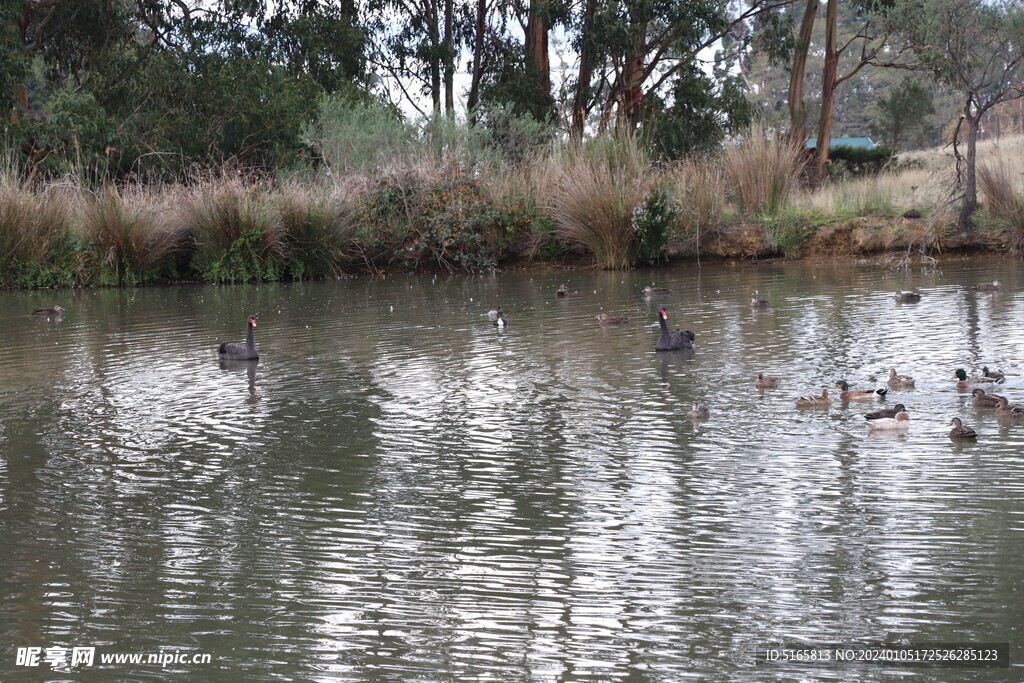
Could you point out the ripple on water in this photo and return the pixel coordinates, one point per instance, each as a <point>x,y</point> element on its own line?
<point>398,490</point>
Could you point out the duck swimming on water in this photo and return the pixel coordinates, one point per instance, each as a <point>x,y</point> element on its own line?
<point>57,310</point>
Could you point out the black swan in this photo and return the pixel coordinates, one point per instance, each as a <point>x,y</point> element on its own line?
<point>49,312</point>
<point>236,351</point>
<point>672,340</point>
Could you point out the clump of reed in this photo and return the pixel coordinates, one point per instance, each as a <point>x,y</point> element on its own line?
<point>36,239</point>
<point>1003,203</point>
<point>238,237</point>
<point>699,185</point>
<point>130,239</point>
<point>319,230</point>
<point>762,171</point>
<point>597,186</point>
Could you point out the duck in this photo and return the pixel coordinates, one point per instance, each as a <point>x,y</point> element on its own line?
<point>755,302</point>
<point>1007,409</point>
<point>672,340</point>
<point>966,382</point>
<point>500,321</point>
<point>993,286</point>
<point>605,319</point>
<point>493,313</point>
<point>763,382</point>
<point>563,291</point>
<point>884,413</point>
<point>899,381</point>
<point>656,291</point>
<point>983,400</point>
<point>959,431</point>
<point>236,351</point>
<point>822,401</point>
<point>57,310</point>
<point>899,422</point>
<point>698,412</point>
<point>907,297</point>
<point>848,394</point>
<point>995,375</point>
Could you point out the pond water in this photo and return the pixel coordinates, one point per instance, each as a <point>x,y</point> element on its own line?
<point>400,491</point>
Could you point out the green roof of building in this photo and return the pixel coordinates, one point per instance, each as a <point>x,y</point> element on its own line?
<point>860,143</point>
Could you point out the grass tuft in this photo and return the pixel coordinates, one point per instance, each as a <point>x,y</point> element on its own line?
<point>238,237</point>
<point>762,171</point>
<point>597,187</point>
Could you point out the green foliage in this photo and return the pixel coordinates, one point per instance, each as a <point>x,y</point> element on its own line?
<point>857,161</point>
<point>357,135</point>
<point>509,84</point>
<point>516,137</point>
<point>653,221</point>
<point>788,233</point>
<point>698,115</point>
<point>902,116</point>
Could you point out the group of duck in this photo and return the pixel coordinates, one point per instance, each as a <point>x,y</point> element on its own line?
<point>897,418</point>
<point>894,419</point>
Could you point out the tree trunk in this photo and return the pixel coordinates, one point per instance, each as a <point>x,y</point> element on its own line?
<point>538,64</point>
<point>478,59</point>
<point>797,109</point>
<point>586,71</point>
<point>631,92</point>
<point>973,121</point>
<point>434,33</point>
<point>828,87</point>
<point>449,58</point>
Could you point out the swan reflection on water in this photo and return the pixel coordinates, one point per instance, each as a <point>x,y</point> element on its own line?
<point>250,370</point>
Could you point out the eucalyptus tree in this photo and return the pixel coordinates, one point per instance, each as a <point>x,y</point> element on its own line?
<point>977,48</point>
<point>416,46</point>
<point>633,49</point>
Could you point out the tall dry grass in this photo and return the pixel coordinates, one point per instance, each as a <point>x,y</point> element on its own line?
<point>319,229</point>
<point>596,187</point>
<point>36,238</point>
<point>700,187</point>
<point>129,235</point>
<point>1003,202</point>
<point>762,171</point>
<point>238,237</point>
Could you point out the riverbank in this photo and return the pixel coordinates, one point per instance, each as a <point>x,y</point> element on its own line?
<point>854,237</point>
<point>604,204</point>
<point>168,256</point>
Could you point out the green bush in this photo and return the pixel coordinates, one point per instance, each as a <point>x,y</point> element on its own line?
<point>857,161</point>
<point>415,219</point>
<point>653,220</point>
